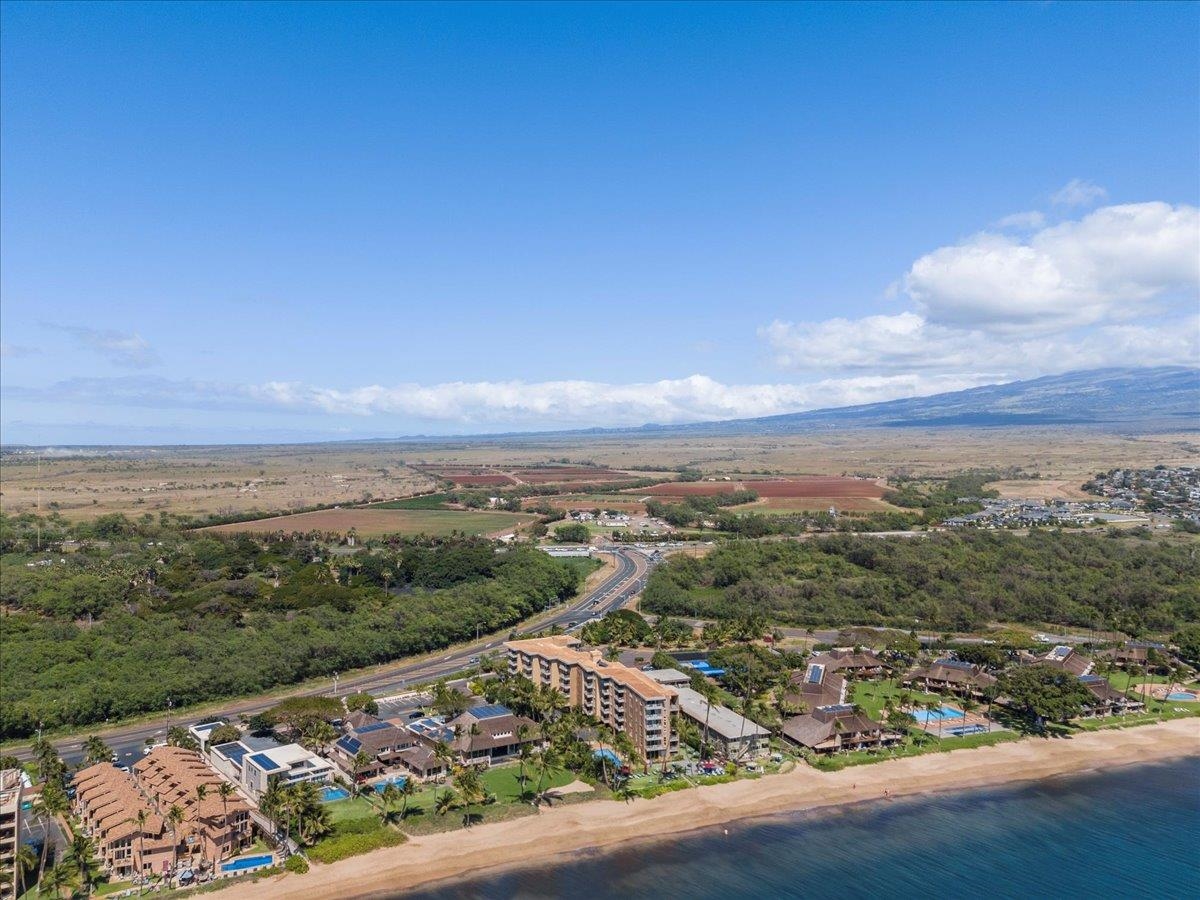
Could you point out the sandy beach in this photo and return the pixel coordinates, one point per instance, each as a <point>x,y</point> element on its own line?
<point>537,840</point>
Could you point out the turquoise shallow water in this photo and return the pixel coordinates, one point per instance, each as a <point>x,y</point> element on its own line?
<point>1131,832</point>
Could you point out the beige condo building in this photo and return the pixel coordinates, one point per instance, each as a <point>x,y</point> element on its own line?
<point>625,699</point>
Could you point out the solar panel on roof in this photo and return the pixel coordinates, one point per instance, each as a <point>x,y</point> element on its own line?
<point>839,708</point>
<point>264,762</point>
<point>1060,652</point>
<point>1090,679</point>
<point>234,752</point>
<point>374,726</point>
<point>350,745</point>
<point>489,711</point>
<point>815,673</point>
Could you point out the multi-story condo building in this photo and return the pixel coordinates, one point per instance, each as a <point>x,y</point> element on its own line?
<point>625,699</point>
<point>110,803</point>
<point>11,788</point>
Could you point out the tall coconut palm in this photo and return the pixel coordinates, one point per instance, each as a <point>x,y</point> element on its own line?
<point>53,881</point>
<point>524,754</point>
<point>174,820</point>
<point>388,798</point>
<point>201,796</point>
<point>225,790</point>
<point>95,750</point>
<point>140,821</point>
<point>444,754</point>
<point>407,788</point>
<point>24,862</point>
<point>81,858</point>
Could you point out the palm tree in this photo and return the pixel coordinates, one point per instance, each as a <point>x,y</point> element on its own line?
<point>140,821</point>
<point>81,856</point>
<point>201,795</point>
<point>225,790</point>
<point>57,878</point>
<point>709,691</point>
<point>361,761</point>
<point>444,754</point>
<point>95,750</point>
<point>24,861</point>
<point>407,788</point>
<point>549,761</point>
<point>470,789</point>
<point>387,799</point>
<point>312,815</point>
<point>524,753</point>
<point>968,705</point>
<point>444,802</point>
<point>174,820</point>
<point>931,707</point>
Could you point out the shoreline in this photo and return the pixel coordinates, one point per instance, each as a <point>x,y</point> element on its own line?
<point>595,826</point>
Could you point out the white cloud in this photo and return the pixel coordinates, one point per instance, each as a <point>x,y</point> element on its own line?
<point>1078,192</point>
<point>510,404</point>
<point>908,342</point>
<point>1112,264</point>
<point>1022,221</point>
<point>128,350</point>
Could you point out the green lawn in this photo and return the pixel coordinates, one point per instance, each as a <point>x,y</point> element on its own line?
<point>353,808</point>
<point>871,695</point>
<point>502,781</point>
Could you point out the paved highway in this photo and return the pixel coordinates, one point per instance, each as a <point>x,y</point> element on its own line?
<point>617,589</point>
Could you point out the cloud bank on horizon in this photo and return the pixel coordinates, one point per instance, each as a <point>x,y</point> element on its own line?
<point>1025,298</point>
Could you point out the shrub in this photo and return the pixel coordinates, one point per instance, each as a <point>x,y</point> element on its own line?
<point>296,864</point>
<point>353,838</point>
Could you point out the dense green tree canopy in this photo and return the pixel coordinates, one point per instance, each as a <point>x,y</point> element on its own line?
<point>123,627</point>
<point>943,581</point>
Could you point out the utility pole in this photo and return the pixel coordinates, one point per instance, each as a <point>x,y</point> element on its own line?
<point>335,682</point>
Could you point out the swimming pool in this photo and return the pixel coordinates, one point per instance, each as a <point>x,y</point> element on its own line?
<point>1181,695</point>
<point>607,754</point>
<point>248,862</point>
<point>926,716</point>
<point>330,794</point>
<point>398,781</point>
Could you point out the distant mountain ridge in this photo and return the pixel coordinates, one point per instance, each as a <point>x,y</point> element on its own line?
<point>1163,398</point>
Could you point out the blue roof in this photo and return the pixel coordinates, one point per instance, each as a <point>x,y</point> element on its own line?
<point>264,762</point>
<point>374,726</point>
<point>350,745</point>
<point>490,711</point>
<point>234,752</point>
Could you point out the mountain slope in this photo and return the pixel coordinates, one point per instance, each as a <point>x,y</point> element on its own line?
<point>1163,398</point>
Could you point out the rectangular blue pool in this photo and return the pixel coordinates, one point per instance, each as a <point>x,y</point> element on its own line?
<point>946,713</point>
<point>397,781</point>
<point>247,862</point>
<point>331,794</point>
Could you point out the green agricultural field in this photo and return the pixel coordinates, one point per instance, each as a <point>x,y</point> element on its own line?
<point>425,501</point>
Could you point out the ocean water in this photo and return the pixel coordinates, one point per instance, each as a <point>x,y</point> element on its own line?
<point>1129,833</point>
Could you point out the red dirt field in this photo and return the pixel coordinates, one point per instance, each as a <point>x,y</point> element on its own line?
<point>816,486</point>
<point>553,475</point>
<point>480,480</point>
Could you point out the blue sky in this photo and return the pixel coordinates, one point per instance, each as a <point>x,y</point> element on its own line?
<point>255,222</point>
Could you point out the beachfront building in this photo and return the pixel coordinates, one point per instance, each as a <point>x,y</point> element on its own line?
<point>110,802</point>
<point>733,735</point>
<point>857,663</point>
<point>490,733</point>
<point>626,699</point>
<point>814,686</point>
<point>1068,659</point>
<point>254,763</point>
<point>1108,701</point>
<point>1146,655</point>
<point>380,741</point>
<point>953,676</point>
<point>12,790</point>
<point>829,729</point>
